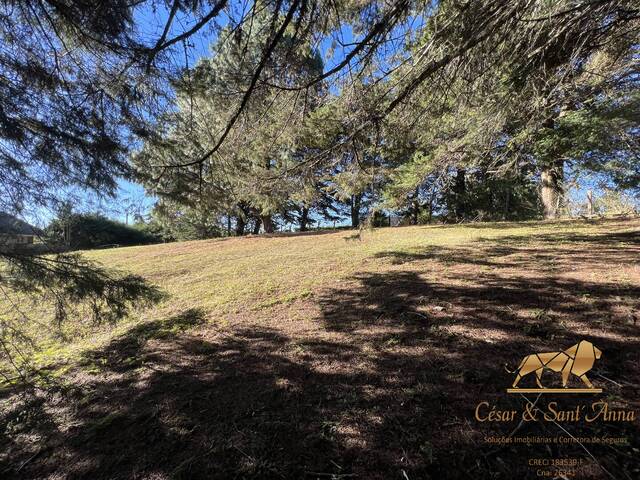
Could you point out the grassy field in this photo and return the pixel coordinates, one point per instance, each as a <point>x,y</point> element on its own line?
<point>323,356</point>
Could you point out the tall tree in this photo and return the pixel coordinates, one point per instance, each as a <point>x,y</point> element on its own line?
<point>249,174</point>
<point>508,104</point>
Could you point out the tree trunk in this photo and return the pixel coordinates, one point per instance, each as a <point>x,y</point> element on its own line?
<point>551,188</point>
<point>507,200</point>
<point>256,226</point>
<point>590,209</point>
<point>240,225</point>
<point>267,223</point>
<point>552,175</point>
<point>228,225</point>
<point>304,219</point>
<point>460,189</point>
<point>430,211</point>
<point>415,209</point>
<point>202,227</point>
<point>355,210</point>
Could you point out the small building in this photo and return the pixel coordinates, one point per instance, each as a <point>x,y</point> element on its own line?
<point>15,233</point>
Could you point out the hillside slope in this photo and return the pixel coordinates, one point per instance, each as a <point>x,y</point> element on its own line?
<point>306,356</point>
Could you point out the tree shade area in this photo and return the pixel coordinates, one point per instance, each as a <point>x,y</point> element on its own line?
<point>264,118</point>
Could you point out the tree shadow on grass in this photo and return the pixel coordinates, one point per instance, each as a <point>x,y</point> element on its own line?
<point>234,407</point>
<point>382,383</point>
<point>441,365</point>
<point>123,353</point>
<point>465,325</point>
<point>532,251</point>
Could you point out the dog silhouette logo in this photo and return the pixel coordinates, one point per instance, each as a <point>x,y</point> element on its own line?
<point>577,360</point>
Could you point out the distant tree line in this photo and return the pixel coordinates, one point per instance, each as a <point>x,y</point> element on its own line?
<point>70,230</point>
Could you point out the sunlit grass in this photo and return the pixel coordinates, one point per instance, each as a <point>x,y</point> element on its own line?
<point>250,276</point>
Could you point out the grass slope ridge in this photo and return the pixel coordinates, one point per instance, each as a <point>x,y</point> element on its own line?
<point>311,355</point>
